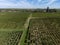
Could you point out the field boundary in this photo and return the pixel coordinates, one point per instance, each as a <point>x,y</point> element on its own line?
<point>21,42</point>
<point>11,29</point>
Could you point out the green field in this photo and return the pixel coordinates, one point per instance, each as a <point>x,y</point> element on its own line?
<point>43,15</point>
<point>12,20</point>
<point>12,25</point>
<point>44,31</point>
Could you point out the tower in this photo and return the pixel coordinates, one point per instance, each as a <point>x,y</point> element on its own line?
<point>47,10</point>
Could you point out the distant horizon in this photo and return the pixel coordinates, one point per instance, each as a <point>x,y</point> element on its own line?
<point>29,8</point>
<point>29,4</point>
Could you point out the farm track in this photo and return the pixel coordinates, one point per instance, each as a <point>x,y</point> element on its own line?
<point>27,22</point>
<point>25,30</point>
<point>35,17</point>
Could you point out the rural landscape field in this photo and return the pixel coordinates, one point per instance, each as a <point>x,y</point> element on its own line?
<point>29,22</point>
<point>12,27</point>
<point>27,27</point>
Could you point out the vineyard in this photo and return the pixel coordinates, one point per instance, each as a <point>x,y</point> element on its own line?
<point>26,28</point>
<point>44,31</point>
<point>10,37</point>
<point>12,27</point>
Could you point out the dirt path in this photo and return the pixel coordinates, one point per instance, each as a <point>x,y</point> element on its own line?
<point>35,17</point>
<point>25,28</point>
<point>27,21</point>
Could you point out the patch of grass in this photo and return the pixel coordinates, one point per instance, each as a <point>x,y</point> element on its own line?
<point>44,15</point>
<point>13,20</point>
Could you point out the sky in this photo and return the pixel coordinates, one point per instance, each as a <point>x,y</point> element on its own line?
<point>29,3</point>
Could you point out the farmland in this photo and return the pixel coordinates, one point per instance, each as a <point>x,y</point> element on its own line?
<point>10,37</point>
<point>44,31</point>
<point>12,27</point>
<point>29,28</point>
<point>12,20</point>
<point>46,15</point>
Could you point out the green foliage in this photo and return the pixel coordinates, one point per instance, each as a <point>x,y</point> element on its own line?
<point>46,15</point>
<point>13,20</point>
